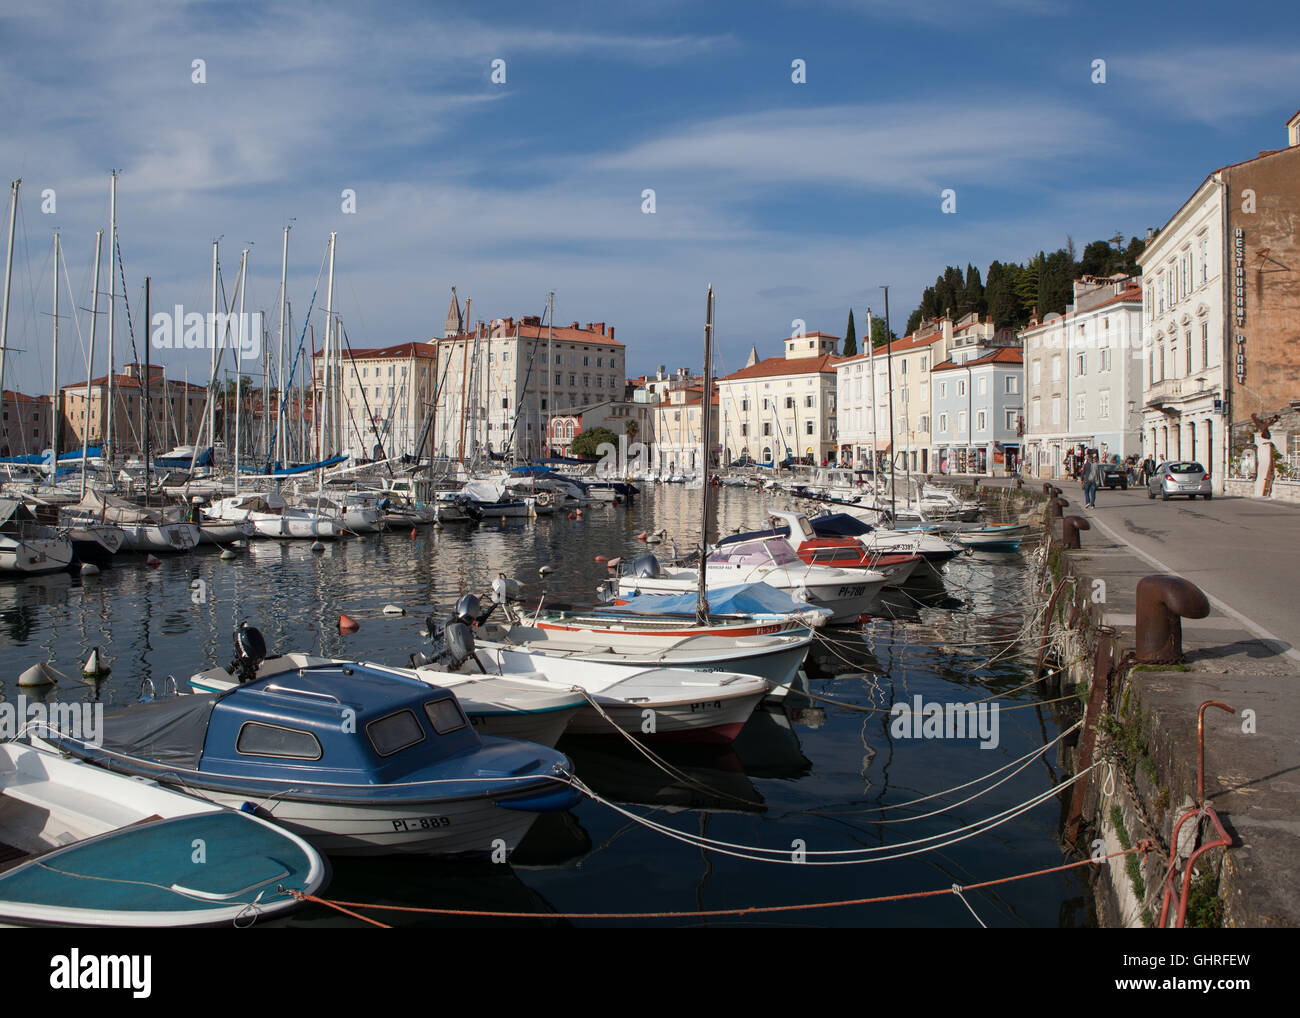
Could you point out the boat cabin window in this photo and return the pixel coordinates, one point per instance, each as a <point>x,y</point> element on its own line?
<point>256,739</point>
<point>445,715</point>
<point>395,732</point>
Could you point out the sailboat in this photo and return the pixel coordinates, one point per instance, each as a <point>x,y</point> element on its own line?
<point>27,546</point>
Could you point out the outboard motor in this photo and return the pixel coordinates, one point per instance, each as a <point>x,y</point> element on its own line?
<point>250,652</point>
<point>646,567</point>
<point>454,647</point>
<point>504,588</point>
<point>467,608</point>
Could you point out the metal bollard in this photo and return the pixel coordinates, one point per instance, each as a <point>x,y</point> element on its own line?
<point>1070,527</point>
<point>1054,507</point>
<point>1049,489</point>
<point>1162,602</point>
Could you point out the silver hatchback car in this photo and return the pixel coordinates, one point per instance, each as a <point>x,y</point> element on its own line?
<point>1179,477</point>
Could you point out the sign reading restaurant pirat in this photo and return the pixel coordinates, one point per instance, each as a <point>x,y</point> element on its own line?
<point>1239,297</point>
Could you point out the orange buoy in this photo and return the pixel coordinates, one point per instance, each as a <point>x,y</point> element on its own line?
<point>601,558</point>
<point>503,520</point>
<point>641,536</point>
<point>572,517</point>
<point>579,514</point>
<point>614,563</point>
<point>347,624</point>
<point>414,533</point>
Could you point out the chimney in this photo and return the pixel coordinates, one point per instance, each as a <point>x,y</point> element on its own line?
<point>598,327</point>
<point>574,325</point>
<point>1150,234</point>
<point>611,332</point>
<point>1293,131</point>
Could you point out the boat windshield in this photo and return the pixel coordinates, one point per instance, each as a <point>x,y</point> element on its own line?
<point>773,551</point>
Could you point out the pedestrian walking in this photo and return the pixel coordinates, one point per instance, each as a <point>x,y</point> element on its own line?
<point>1090,476</point>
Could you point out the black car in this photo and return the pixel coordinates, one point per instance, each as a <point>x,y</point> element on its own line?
<point>1114,475</point>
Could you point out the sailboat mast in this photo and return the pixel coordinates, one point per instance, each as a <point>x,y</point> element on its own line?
<point>706,414</point>
<point>54,373</point>
<point>112,315</point>
<point>239,378</point>
<point>147,393</point>
<point>889,367</point>
<point>280,442</point>
<point>90,362</point>
<point>9,272</point>
<point>213,339</point>
<point>335,361</point>
<point>550,368</point>
<point>871,382</point>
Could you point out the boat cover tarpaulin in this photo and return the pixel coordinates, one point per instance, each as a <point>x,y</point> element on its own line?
<point>741,599</point>
<point>170,731</point>
<point>302,468</point>
<point>182,459</point>
<point>839,525</point>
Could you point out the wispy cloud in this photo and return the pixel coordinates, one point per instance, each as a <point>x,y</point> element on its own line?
<point>1212,84</point>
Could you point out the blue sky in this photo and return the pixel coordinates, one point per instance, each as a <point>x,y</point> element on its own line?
<point>796,201</point>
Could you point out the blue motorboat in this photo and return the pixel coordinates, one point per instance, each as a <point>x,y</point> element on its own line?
<point>357,759</point>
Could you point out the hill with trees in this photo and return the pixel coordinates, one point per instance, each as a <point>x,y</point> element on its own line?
<point>1011,291</point>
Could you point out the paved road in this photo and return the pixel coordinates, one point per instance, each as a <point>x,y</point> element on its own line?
<point>1244,552</point>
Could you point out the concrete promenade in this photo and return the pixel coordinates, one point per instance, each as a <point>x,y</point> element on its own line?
<point>1245,555</point>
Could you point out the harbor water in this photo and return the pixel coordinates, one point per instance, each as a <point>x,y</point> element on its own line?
<point>857,806</point>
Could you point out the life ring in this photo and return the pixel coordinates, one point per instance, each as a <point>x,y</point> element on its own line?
<point>544,498</point>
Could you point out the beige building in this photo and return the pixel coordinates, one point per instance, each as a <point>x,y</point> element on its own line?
<point>498,384</point>
<point>387,399</point>
<point>679,431</point>
<point>783,407</point>
<point>176,411</point>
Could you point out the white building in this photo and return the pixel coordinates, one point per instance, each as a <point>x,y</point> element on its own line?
<point>1184,325</point>
<point>781,408</point>
<point>1083,376</point>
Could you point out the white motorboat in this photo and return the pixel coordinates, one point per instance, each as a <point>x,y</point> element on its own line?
<point>28,547</point>
<point>82,846</point>
<point>495,704</point>
<point>272,518</point>
<point>847,593</point>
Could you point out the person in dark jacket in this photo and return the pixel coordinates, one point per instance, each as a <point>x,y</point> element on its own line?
<point>1090,477</point>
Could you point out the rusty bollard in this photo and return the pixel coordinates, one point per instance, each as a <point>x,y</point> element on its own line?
<point>1049,489</point>
<point>975,484</point>
<point>1162,602</point>
<point>1054,507</point>
<point>1070,527</point>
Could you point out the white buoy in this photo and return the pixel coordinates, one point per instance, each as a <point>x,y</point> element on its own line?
<point>228,553</point>
<point>89,569</point>
<point>94,668</point>
<point>394,609</point>
<point>545,570</point>
<point>38,675</point>
<point>318,546</point>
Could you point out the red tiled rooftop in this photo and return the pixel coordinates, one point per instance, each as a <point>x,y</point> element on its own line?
<point>776,366</point>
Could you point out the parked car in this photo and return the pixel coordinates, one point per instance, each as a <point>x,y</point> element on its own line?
<point>1180,477</point>
<point>1113,474</point>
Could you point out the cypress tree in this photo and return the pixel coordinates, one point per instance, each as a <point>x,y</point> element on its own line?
<point>850,337</point>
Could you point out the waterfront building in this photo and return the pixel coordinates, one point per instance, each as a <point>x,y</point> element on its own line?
<point>176,411</point>
<point>678,430</point>
<point>977,408</point>
<point>781,408</point>
<point>1083,376</point>
<point>1219,308</point>
<point>633,419</point>
<point>387,400</point>
<point>496,390</point>
<point>26,427</point>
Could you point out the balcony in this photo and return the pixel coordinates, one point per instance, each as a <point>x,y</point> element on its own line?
<point>1169,390</point>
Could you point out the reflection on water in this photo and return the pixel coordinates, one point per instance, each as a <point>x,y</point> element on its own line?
<point>823,770</point>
